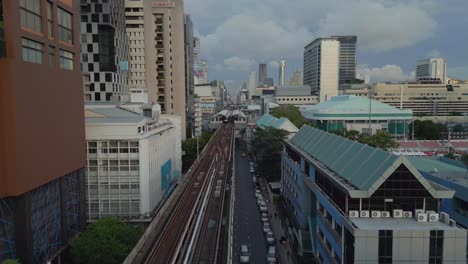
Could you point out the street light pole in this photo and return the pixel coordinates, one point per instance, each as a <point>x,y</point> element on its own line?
<point>370,111</point>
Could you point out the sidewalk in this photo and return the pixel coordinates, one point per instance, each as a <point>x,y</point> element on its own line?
<point>283,250</point>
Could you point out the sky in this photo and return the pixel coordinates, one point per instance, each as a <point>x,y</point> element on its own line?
<point>237,35</point>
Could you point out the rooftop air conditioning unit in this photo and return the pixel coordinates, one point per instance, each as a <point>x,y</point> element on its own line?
<point>452,223</point>
<point>407,214</point>
<point>430,212</point>
<point>354,214</point>
<point>385,214</point>
<point>445,217</point>
<point>419,211</point>
<point>422,217</point>
<point>433,217</point>
<point>364,214</point>
<point>376,214</point>
<point>397,213</point>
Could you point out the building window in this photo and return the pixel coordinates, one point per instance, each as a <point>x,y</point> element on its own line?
<point>51,56</point>
<point>32,51</point>
<point>64,26</point>
<point>30,13</point>
<point>106,36</point>
<point>66,60</point>
<point>50,20</point>
<point>385,246</point>
<point>436,247</point>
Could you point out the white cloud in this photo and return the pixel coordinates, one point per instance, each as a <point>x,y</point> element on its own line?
<point>239,64</point>
<point>218,67</point>
<point>387,73</point>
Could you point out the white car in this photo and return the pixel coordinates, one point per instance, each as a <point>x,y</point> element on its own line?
<point>262,208</point>
<point>266,227</point>
<point>270,238</point>
<point>271,255</point>
<point>244,256</point>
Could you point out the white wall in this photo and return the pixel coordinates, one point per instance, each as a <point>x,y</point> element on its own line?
<point>329,69</point>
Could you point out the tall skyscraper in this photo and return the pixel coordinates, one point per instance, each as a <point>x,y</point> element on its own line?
<point>159,47</point>
<point>262,73</point>
<point>435,68</point>
<point>347,58</point>
<point>296,79</point>
<point>200,66</point>
<point>252,83</point>
<point>189,73</point>
<point>42,134</point>
<point>104,51</point>
<point>321,67</point>
<point>282,68</point>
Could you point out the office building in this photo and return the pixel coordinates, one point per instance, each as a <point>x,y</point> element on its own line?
<point>189,73</point>
<point>131,168</point>
<point>281,74</point>
<point>42,134</point>
<point>355,112</point>
<point>321,67</point>
<point>296,79</point>
<point>262,74</point>
<point>104,51</point>
<point>434,69</point>
<point>423,99</point>
<point>351,203</point>
<point>200,65</point>
<point>295,95</point>
<point>252,84</point>
<point>156,34</point>
<point>208,100</point>
<point>347,58</point>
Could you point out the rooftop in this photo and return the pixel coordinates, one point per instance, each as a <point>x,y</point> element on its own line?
<point>303,90</point>
<point>406,224</point>
<point>278,123</point>
<point>346,107</point>
<point>111,115</point>
<point>442,168</point>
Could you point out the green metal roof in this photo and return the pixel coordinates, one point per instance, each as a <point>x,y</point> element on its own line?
<point>363,168</point>
<point>281,123</point>
<point>350,107</point>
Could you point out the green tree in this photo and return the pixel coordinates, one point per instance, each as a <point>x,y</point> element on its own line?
<point>107,241</point>
<point>267,146</point>
<point>356,81</point>
<point>189,147</point>
<point>458,128</point>
<point>428,130</point>
<point>10,261</point>
<point>383,140</point>
<point>292,113</point>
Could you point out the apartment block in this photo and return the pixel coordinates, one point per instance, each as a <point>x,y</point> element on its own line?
<point>42,134</point>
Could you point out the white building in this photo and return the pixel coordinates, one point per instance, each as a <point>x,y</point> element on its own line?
<point>435,68</point>
<point>282,69</point>
<point>198,116</point>
<point>131,168</point>
<point>252,85</point>
<point>321,67</point>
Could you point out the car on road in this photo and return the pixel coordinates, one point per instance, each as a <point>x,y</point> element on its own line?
<point>270,238</point>
<point>261,202</point>
<point>243,154</point>
<point>244,256</point>
<point>264,219</point>
<point>262,208</point>
<point>266,227</point>
<point>271,255</point>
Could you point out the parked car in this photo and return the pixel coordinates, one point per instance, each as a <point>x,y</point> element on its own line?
<point>271,255</point>
<point>244,256</point>
<point>263,209</point>
<point>270,238</point>
<point>261,202</point>
<point>266,227</point>
<point>264,219</point>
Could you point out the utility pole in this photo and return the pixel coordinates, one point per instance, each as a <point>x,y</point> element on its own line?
<point>370,111</point>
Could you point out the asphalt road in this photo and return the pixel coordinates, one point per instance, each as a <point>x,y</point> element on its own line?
<point>248,229</point>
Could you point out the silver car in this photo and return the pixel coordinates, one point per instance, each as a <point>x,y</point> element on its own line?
<point>266,227</point>
<point>270,238</point>
<point>244,256</point>
<point>271,256</point>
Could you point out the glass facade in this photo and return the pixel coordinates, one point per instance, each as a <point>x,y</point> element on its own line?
<point>30,12</point>
<point>436,247</point>
<point>65,32</point>
<point>385,246</point>
<point>66,60</point>
<point>32,51</point>
<point>106,35</point>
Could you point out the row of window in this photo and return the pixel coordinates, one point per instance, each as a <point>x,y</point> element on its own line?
<point>31,18</point>
<point>33,52</point>
<point>328,245</point>
<point>297,99</point>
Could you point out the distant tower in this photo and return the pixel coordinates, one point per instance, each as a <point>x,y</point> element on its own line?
<point>262,74</point>
<point>252,84</point>
<point>282,67</point>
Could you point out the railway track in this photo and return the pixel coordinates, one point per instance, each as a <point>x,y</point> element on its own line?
<point>180,241</point>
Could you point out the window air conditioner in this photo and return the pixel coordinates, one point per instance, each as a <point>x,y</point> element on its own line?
<point>407,214</point>
<point>445,217</point>
<point>422,217</point>
<point>430,212</point>
<point>433,217</point>
<point>353,214</point>
<point>376,214</point>
<point>397,213</point>
<point>385,214</point>
<point>364,214</point>
<point>452,223</point>
<point>419,211</point>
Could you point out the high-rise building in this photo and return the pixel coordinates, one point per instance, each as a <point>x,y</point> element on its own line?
<point>252,84</point>
<point>432,69</point>
<point>42,134</point>
<point>189,74</point>
<point>321,67</point>
<point>200,66</point>
<point>296,79</point>
<point>262,73</point>
<point>282,68</point>
<point>347,58</point>
<point>156,33</point>
<point>104,51</point>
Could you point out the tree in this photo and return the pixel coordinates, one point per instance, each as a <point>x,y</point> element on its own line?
<point>356,81</point>
<point>106,241</point>
<point>382,139</point>
<point>10,261</point>
<point>267,146</point>
<point>292,113</point>
<point>427,130</point>
<point>458,128</point>
<point>189,147</point>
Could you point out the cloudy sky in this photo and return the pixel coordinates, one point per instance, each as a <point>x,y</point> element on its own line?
<point>237,35</point>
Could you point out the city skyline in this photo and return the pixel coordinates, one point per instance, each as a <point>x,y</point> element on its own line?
<point>390,57</point>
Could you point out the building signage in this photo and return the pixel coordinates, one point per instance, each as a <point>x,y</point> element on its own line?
<point>163,4</point>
